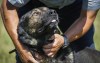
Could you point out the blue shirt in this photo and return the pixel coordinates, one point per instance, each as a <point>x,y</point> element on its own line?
<point>87,4</point>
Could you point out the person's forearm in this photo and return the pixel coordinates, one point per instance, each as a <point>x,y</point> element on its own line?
<point>10,20</point>
<point>80,26</point>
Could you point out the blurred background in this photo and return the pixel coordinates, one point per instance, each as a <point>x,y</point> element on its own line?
<point>6,44</point>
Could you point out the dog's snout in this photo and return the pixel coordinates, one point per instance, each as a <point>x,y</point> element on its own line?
<point>52,12</point>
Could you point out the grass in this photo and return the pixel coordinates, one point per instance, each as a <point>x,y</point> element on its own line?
<point>5,46</point>
<point>97,31</point>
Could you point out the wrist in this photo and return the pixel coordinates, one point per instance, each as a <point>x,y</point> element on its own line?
<point>66,41</point>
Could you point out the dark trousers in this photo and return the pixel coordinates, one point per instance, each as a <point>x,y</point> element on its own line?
<point>67,16</point>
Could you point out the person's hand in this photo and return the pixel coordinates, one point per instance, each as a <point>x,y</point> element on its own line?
<point>52,48</point>
<point>26,57</point>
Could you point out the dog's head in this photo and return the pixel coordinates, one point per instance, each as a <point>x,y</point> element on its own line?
<point>39,19</point>
<point>49,19</point>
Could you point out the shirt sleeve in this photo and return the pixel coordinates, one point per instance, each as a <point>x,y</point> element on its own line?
<point>18,3</point>
<point>91,4</point>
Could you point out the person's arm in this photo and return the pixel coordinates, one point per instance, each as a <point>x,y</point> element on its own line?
<point>10,20</point>
<point>81,25</point>
<point>75,31</point>
<point>86,19</point>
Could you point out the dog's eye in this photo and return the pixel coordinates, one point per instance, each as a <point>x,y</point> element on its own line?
<point>51,13</point>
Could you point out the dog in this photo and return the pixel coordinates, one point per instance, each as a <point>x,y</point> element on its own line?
<point>40,22</point>
<point>37,26</point>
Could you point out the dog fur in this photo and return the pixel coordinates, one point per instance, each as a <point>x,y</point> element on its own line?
<point>36,24</point>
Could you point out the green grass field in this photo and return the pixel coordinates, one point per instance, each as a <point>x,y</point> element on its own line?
<point>97,31</point>
<point>5,46</point>
<point>6,43</point>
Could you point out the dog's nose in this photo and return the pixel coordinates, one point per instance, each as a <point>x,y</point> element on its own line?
<point>52,12</point>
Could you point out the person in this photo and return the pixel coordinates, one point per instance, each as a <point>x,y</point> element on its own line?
<point>76,22</point>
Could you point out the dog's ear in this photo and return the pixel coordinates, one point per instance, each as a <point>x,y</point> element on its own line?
<point>25,17</point>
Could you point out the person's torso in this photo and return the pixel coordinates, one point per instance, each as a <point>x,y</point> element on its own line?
<point>57,3</point>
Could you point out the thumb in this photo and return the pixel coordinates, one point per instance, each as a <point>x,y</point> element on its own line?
<point>52,37</point>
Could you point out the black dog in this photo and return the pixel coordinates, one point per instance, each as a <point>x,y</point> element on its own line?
<point>37,26</point>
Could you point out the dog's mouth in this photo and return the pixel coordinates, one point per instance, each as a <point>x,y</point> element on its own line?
<point>48,26</point>
<point>53,23</point>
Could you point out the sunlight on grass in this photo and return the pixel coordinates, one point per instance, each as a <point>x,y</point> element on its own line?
<point>5,46</point>
<point>97,32</point>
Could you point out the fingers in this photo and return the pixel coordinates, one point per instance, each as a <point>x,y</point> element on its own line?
<point>51,49</point>
<point>47,46</point>
<point>27,57</point>
<point>50,52</point>
<point>32,60</point>
<point>52,37</point>
<point>51,45</point>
